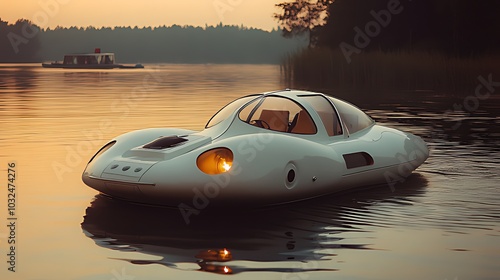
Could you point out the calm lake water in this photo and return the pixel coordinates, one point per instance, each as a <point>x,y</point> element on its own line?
<point>443,222</point>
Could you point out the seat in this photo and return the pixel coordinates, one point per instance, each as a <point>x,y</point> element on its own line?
<point>304,124</point>
<point>276,119</point>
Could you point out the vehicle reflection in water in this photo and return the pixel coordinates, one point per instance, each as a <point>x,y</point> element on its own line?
<point>208,257</point>
<point>230,242</point>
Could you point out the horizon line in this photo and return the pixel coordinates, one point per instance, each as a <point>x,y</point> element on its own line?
<point>276,28</point>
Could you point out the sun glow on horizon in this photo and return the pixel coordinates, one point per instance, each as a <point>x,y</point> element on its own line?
<point>152,13</point>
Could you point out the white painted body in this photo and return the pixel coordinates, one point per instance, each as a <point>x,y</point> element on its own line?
<point>262,160</point>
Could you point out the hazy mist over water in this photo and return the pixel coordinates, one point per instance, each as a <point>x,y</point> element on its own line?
<point>443,222</point>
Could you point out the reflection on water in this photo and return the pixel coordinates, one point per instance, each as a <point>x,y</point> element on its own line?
<point>441,223</point>
<point>307,231</point>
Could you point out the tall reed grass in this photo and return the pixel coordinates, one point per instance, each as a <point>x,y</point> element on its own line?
<point>381,71</point>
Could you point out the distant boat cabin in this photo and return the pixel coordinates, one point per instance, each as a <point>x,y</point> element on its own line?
<point>85,59</point>
<point>96,60</point>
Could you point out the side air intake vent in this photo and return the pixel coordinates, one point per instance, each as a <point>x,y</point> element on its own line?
<point>357,160</point>
<point>165,142</point>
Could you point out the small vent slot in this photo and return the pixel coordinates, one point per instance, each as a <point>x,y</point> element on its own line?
<point>357,160</point>
<point>165,142</point>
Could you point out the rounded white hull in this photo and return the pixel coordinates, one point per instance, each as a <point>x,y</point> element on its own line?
<point>268,167</point>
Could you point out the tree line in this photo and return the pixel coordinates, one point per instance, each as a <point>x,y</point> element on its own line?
<point>168,44</point>
<point>454,27</point>
<point>19,42</point>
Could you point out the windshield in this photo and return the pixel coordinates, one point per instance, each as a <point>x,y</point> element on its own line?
<point>225,112</point>
<point>326,112</point>
<point>353,118</point>
<point>278,114</point>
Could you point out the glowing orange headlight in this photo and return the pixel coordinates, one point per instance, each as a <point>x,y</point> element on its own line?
<point>215,161</point>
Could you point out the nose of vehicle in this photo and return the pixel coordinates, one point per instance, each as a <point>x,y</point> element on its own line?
<point>416,149</point>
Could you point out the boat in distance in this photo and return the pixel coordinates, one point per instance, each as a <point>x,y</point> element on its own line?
<point>262,149</point>
<point>95,60</point>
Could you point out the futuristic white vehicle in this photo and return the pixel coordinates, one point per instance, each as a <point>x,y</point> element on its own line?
<point>262,149</point>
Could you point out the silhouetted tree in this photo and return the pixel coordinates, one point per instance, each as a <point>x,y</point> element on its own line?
<point>303,16</point>
<point>19,42</point>
<point>455,27</point>
<point>466,27</point>
<point>372,20</point>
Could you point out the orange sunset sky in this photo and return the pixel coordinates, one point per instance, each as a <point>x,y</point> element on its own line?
<point>66,13</point>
